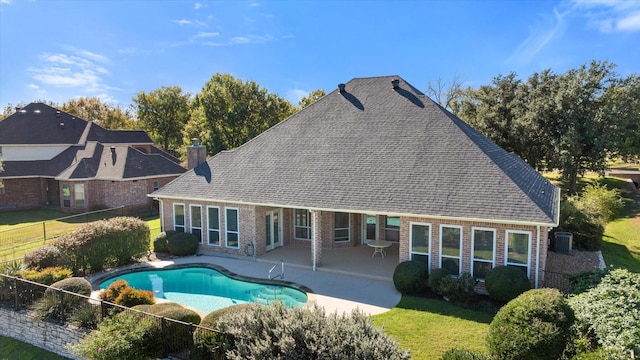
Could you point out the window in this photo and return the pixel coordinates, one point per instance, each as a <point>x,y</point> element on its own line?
<point>518,249</point>
<point>66,195</point>
<point>341,227</point>
<point>420,242</point>
<point>450,247</point>
<point>178,217</point>
<point>213,225</point>
<point>78,194</point>
<point>302,224</point>
<point>483,245</point>
<point>392,228</point>
<point>232,228</point>
<point>196,221</point>
<point>156,185</point>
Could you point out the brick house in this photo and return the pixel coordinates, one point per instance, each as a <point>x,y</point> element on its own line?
<point>373,160</point>
<point>55,159</point>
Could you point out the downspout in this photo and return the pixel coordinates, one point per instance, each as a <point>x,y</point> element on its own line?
<point>313,238</point>
<point>538,257</point>
<point>161,206</point>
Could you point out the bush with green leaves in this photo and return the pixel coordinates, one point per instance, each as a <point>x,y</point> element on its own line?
<point>86,315</point>
<point>535,325</point>
<point>275,331</point>
<point>94,246</point>
<point>609,314</point>
<point>459,289</point>
<point>43,257</point>
<point>58,305</point>
<point>463,354</point>
<point>209,344</point>
<point>435,278</point>
<point>48,275</point>
<point>130,297</point>
<point>114,289</point>
<point>600,203</point>
<point>182,244</point>
<point>587,231</point>
<point>410,277</point>
<point>504,283</point>
<point>160,244</point>
<point>586,280</point>
<point>127,335</point>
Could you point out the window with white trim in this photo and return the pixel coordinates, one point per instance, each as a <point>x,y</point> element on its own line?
<point>302,224</point>
<point>156,186</point>
<point>518,250</point>
<point>66,195</point>
<point>213,225</point>
<point>482,251</point>
<point>178,217</point>
<point>451,248</point>
<point>341,227</point>
<point>78,195</point>
<point>232,228</point>
<point>392,228</point>
<point>420,235</point>
<point>195,212</point>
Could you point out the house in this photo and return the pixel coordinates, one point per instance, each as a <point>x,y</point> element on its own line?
<point>55,159</point>
<point>375,159</point>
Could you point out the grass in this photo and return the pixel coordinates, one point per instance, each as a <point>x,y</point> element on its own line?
<point>621,241</point>
<point>14,349</point>
<point>430,327</point>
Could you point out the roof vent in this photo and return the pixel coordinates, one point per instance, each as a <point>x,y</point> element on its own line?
<point>395,83</point>
<point>341,87</point>
<point>195,141</point>
<point>61,126</point>
<point>113,149</point>
<point>22,111</point>
<point>36,111</point>
<point>58,113</point>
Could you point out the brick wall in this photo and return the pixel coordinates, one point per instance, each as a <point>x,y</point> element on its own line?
<point>52,337</point>
<point>24,193</point>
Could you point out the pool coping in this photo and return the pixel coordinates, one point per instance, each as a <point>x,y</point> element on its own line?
<point>96,279</point>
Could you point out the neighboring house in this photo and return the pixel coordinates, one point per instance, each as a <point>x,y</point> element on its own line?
<point>55,159</point>
<point>374,160</point>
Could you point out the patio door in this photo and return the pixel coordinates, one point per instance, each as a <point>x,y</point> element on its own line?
<point>273,229</point>
<point>369,228</point>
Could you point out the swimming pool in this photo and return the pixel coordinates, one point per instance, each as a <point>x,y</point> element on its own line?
<point>208,289</point>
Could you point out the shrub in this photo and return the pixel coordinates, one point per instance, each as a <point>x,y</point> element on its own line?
<point>600,203</point>
<point>535,325</point>
<point>609,314</point>
<point>124,336</point>
<point>275,331</point>
<point>458,289</point>
<point>13,268</point>
<point>43,257</point>
<point>208,345</point>
<point>160,242</point>
<point>587,231</point>
<point>47,276</point>
<point>462,354</point>
<point>435,278</point>
<point>130,297</point>
<point>504,283</point>
<point>411,277</point>
<point>86,316</point>
<point>114,289</point>
<point>76,285</point>
<point>182,244</point>
<point>586,280</point>
<point>58,305</point>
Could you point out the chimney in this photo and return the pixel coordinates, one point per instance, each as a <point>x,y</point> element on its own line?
<point>395,83</point>
<point>196,154</point>
<point>341,87</point>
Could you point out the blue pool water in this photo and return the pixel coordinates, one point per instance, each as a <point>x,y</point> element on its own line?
<point>207,289</point>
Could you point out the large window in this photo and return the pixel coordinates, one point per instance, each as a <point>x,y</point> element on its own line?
<point>392,228</point>
<point>483,246</point>
<point>196,221</point>
<point>213,225</point>
<point>518,250</point>
<point>450,248</point>
<point>78,194</point>
<point>420,242</point>
<point>341,227</point>
<point>232,228</point>
<point>302,224</point>
<point>66,195</point>
<point>178,217</point>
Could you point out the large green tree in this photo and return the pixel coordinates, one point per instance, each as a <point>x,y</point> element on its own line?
<point>163,113</point>
<point>623,103</point>
<point>93,109</point>
<point>235,111</point>
<point>311,98</point>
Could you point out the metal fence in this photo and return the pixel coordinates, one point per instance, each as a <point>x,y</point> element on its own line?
<point>557,281</point>
<point>179,339</point>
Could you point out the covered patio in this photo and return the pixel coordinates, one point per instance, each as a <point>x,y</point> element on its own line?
<point>355,261</point>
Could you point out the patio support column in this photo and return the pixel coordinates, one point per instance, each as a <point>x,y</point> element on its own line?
<point>316,239</point>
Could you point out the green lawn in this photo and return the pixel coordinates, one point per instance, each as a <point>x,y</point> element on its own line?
<point>621,241</point>
<point>11,349</point>
<point>430,327</point>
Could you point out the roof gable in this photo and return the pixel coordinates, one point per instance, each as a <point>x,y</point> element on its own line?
<point>41,124</point>
<point>375,148</point>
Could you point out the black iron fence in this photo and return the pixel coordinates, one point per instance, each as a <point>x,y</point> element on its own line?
<point>179,338</point>
<point>557,281</point>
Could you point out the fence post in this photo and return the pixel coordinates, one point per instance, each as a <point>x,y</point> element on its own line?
<point>62,320</point>
<point>44,232</point>
<point>15,286</point>
<point>165,338</point>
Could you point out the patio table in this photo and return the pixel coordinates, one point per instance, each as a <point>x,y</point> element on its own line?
<point>379,246</point>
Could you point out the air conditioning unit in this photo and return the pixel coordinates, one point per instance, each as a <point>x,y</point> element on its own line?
<point>563,242</point>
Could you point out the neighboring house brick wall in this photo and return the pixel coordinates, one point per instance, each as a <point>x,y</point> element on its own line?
<point>24,193</point>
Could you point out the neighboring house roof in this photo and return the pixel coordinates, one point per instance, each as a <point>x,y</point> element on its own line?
<point>373,148</point>
<point>41,124</point>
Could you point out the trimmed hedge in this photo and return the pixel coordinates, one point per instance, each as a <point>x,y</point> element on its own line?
<point>182,244</point>
<point>114,289</point>
<point>160,241</point>
<point>463,354</point>
<point>435,278</point>
<point>130,297</point>
<point>535,325</point>
<point>43,257</point>
<point>411,277</point>
<point>48,275</point>
<point>56,305</point>
<point>504,283</point>
<point>76,285</point>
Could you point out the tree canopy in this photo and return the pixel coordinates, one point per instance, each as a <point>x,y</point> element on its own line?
<point>311,98</point>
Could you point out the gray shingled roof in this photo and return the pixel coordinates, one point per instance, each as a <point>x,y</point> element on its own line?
<point>376,149</point>
<point>44,126</point>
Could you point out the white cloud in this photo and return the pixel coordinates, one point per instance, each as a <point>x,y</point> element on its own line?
<point>295,95</point>
<point>197,6</point>
<point>539,37</point>
<point>630,23</point>
<point>207,34</point>
<point>610,16</point>
<point>7,2</point>
<point>33,86</point>
<point>242,40</point>
<point>189,22</point>
<point>254,4</point>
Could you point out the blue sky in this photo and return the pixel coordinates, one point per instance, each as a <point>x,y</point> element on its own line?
<point>59,50</point>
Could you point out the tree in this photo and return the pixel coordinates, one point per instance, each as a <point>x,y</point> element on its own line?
<point>237,111</point>
<point>311,98</point>
<point>93,109</point>
<point>163,113</point>
<point>623,103</point>
<point>445,92</point>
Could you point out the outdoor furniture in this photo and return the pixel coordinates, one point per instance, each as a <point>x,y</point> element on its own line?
<point>378,247</point>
